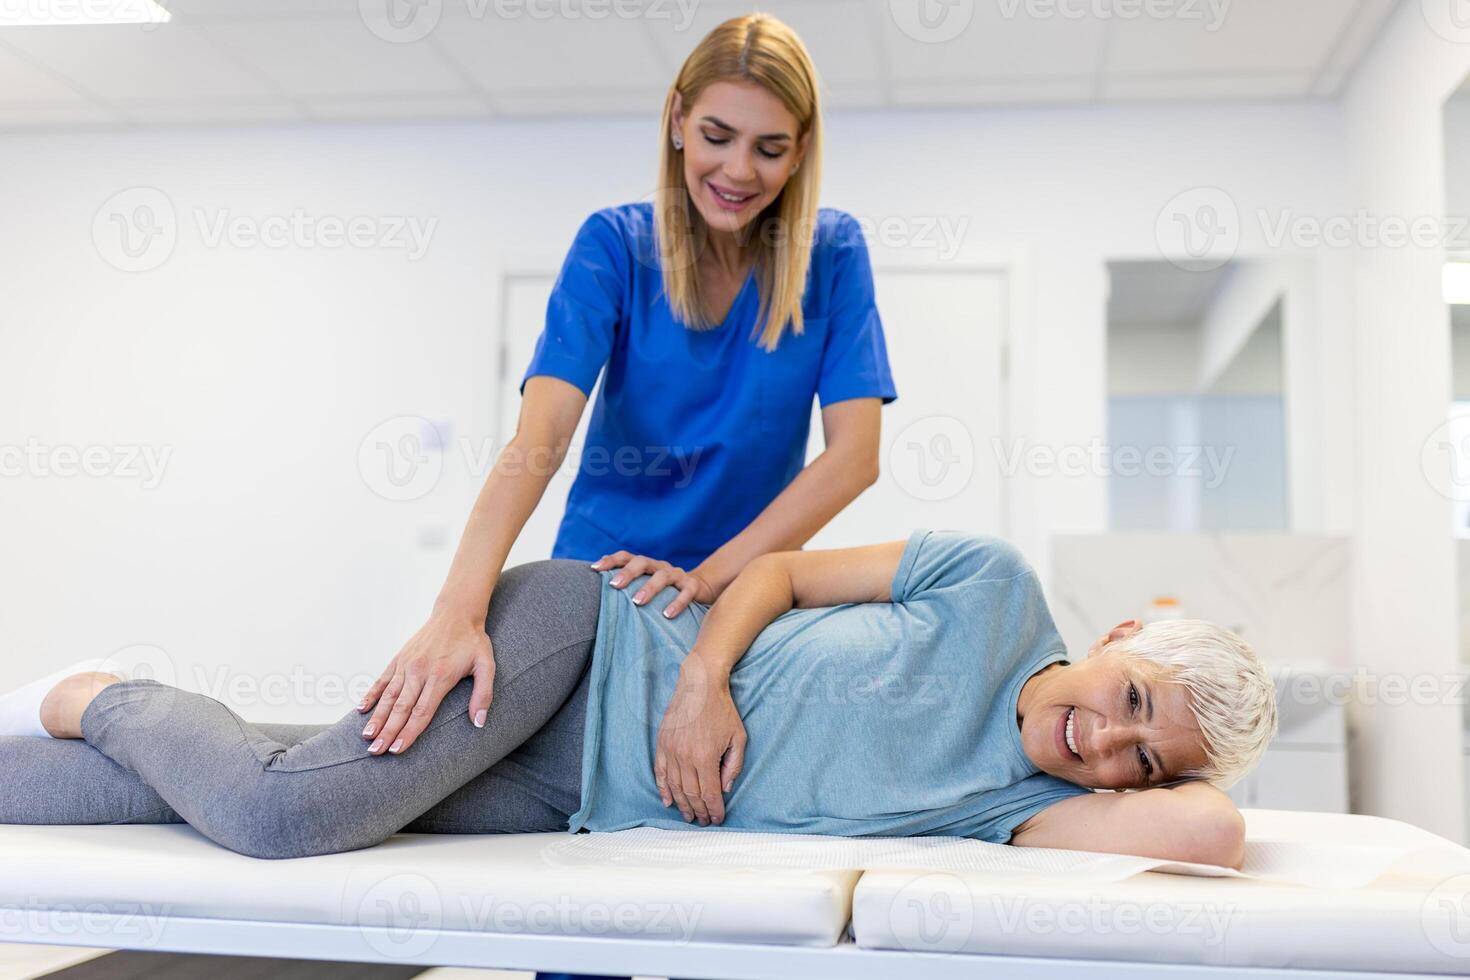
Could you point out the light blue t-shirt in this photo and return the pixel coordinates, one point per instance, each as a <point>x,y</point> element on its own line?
<point>888,719</point>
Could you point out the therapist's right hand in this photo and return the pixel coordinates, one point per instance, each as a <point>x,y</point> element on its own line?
<point>443,652</point>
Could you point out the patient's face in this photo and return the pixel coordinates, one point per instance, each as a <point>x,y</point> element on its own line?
<point>1108,697</point>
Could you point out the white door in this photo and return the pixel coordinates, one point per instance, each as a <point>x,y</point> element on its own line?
<point>525,315</point>
<point>946,345</point>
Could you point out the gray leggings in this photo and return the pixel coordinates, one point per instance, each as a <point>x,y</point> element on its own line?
<point>156,754</point>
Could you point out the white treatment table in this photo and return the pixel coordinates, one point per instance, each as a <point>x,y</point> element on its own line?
<point>613,904</point>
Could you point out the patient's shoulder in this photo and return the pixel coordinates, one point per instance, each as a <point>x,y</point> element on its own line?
<point>941,559</point>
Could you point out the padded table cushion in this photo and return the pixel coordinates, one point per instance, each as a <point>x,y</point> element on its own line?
<point>492,883</point>
<point>1412,918</point>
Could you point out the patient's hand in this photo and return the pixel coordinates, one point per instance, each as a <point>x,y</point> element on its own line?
<point>443,652</point>
<point>700,728</point>
<point>692,586</point>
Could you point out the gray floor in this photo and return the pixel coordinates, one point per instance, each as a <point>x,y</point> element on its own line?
<point>24,961</point>
<point>21,961</point>
<point>134,965</point>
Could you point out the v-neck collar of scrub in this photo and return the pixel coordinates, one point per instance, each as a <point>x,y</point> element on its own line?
<point>739,298</point>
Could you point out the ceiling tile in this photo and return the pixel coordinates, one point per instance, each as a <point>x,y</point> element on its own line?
<point>1249,36</point>
<point>209,11</point>
<point>999,40</point>
<point>167,61</point>
<point>332,57</point>
<point>1357,37</point>
<point>524,54</point>
<point>223,61</point>
<point>840,35</point>
<point>22,81</point>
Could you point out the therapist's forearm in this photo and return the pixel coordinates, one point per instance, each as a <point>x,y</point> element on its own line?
<point>820,491</point>
<point>511,492</point>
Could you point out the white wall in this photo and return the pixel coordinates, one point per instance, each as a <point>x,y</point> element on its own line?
<point>265,550</point>
<point>1407,761</point>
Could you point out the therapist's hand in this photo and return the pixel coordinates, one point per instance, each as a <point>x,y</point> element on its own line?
<point>701,743</point>
<point>443,652</point>
<point>692,586</point>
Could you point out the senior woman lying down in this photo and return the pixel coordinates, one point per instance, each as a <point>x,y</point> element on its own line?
<point>917,687</point>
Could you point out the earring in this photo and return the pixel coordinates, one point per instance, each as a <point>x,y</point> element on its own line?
<point>678,142</point>
<point>796,168</point>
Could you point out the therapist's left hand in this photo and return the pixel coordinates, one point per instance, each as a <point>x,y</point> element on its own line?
<point>692,586</point>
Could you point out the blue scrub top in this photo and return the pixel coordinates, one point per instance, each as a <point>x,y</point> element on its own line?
<point>695,432</point>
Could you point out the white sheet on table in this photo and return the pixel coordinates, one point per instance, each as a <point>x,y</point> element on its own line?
<point>1320,850</point>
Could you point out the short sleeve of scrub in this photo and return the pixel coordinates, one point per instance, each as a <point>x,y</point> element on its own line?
<point>586,305</point>
<point>855,358</point>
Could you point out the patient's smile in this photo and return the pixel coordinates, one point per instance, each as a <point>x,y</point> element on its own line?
<point>1093,725</point>
<point>1070,733</point>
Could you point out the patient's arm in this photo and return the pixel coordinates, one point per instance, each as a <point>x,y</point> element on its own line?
<point>780,581</point>
<point>1192,821</point>
<point>701,741</point>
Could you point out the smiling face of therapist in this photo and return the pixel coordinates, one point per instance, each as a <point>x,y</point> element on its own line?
<point>740,147</point>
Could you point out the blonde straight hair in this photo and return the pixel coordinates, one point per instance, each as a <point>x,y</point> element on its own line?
<point>761,49</point>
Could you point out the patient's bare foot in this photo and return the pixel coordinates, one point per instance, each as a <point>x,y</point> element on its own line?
<point>61,709</point>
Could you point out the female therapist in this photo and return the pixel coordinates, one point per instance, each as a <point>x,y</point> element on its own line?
<point>716,313</point>
<point>714,316</point>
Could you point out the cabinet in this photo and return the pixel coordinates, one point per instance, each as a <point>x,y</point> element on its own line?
<point>1306,766</point>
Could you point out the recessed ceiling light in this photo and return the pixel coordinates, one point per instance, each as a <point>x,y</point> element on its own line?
<point>57,13</point>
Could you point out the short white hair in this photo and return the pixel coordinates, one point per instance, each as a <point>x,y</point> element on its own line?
<point>1231,692</point>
